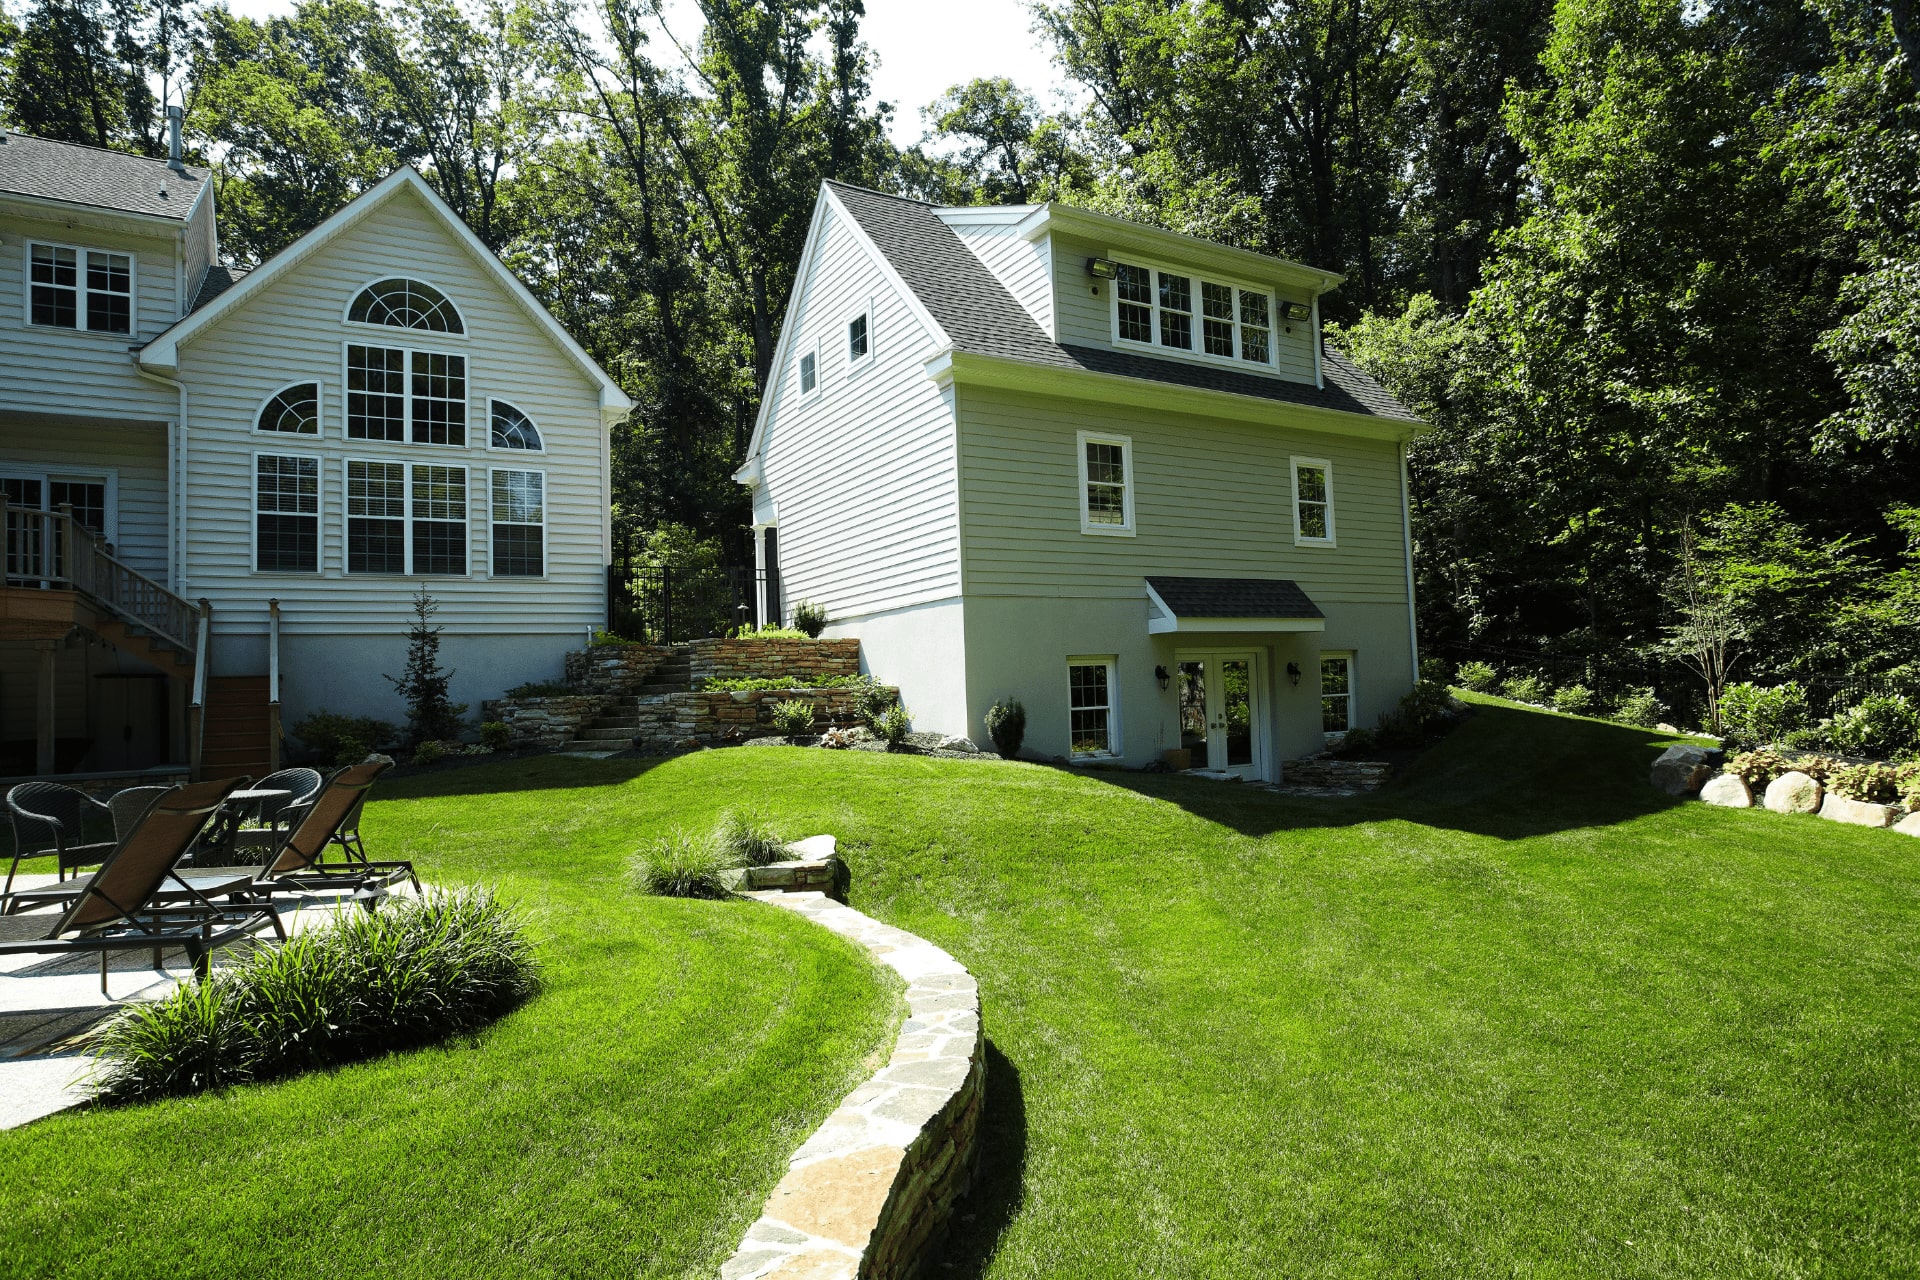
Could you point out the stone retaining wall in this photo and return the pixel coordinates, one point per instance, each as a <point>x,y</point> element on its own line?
<point>723,717</point>
<point>750,659</point>
<point>875,1186</point>
<point>545,722</point>
<point>613,668</point>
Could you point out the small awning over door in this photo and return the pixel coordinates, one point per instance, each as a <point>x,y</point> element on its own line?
<point>1191,605</point>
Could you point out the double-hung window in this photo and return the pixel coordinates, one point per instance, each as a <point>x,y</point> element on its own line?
<point>286,507</point>
<point>809,371</point>
<point>1312,502</point>
<point>1106,484</point>
<point>399,394</point>
<point>1336,692</point>
<point>376,517</point>
<point>519,513</point>
<point>860,340</point>
<point>90,289</point>
<point>1181,311</point>
<point>438,499</point>
<point>406,517</point>
<point>1093,719</point>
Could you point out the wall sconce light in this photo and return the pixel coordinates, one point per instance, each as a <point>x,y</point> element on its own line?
<point>1102,268</point>
<point>1160,674</point>
<point>1293,672</point>
<point>1296,311</point>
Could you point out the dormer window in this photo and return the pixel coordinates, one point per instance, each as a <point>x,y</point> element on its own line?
<point>87,289</point>
<point>405,304</point>
<point>1183,312</point>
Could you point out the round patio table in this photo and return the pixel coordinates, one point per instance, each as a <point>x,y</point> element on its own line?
<point>224,830</point>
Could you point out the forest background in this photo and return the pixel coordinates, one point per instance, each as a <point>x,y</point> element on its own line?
<point>1649,267</point>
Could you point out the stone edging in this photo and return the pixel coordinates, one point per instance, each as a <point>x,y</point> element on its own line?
<point>876,1183</point>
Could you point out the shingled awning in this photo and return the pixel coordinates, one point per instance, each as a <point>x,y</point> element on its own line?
<point>1230,604</point>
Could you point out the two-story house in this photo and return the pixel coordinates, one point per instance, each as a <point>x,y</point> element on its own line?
<point>1110,471</point>
<point>222,489</point>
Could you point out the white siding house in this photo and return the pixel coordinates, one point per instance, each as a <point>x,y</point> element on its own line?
<point>378,408</point>
<point>1106,470</point>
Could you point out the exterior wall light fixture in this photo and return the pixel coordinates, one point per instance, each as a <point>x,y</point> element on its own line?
<point>1160,674</point>
<point>1296,310</point>
<point>1102,268</point>
<point>1293,672</point>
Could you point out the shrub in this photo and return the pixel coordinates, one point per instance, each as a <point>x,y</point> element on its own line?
<point>809,618</point>
<point>1879,722</point>
<point>1641,707</point>
<point>1759,767</point>
<point>1755,715</point>
<point>422,683</point>
<point>793,717</point>
<point>837,739</point>
<point>1525,687</point>
<point>343,740</point>
<point>418,970</point>
<point>740,684</point>
<point>495,736</point>
<point>428,751</point>
<point>1007,726</point>
<point>1574,700</point>
<point>872,699</point>
<point>748,839</point>
<point>770,633</point>
<point>603,638</point>
<point>1874,783</point>
<point>1819,768</point>
<point>542,689</point>
<point>1478,676</point>
<point>894,724</point>
<point>1906,777</point>
<point>1437,670</point>
<point>1358,742</point>
<point>678,866</point>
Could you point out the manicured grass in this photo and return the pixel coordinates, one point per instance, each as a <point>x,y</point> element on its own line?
<point>630,1121</point>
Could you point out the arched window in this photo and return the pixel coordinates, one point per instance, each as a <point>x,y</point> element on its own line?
<point>408,304</point>
<point>295,410</point>
<point>512,429</point>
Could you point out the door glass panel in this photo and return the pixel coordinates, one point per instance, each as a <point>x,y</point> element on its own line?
<point>1193,711</point>
<point>1236,706</point>
<point>25,552</point>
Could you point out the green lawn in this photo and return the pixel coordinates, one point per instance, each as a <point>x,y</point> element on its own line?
<point>1516,1015</point>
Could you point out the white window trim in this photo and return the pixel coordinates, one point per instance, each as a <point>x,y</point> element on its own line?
<point>546,563</point>
<point>1081,441</point>
<point>1115,748</point>
<point>347,518</point>
<point>466,523</point>
<point>365,326</point>
<point>406,520</point>
<point>1293,471</point>
<point>819,383</point>
<point>406,413</point>
<point>1198,350</point>
<point>319,405</point>
<point>1353,685</point>
<point>857,367</point>
<point>80,302</point>
<point>319,513</point>
<point>107,477</point>
<point>491,447</point>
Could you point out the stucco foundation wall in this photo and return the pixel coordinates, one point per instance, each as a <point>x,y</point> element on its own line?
<point>922,652</point>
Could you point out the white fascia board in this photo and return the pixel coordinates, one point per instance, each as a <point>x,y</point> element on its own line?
<point>1192,249</point>
<point>1112,388</point>
<point>986,215</point>
<point>162,354</point>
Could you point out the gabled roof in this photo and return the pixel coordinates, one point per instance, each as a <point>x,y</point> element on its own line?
<point>981,317</point>
<point>217,299</point>
<point>68,173</point>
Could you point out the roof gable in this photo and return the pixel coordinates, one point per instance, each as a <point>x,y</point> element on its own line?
<point>69,173</point>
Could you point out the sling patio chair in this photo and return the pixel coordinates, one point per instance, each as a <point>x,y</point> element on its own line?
<point>55,815</point>
<point>116,907</point>
<point>333,818</point>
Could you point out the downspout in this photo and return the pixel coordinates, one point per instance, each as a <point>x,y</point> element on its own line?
<point>1319,377</point>
<point>1406,538</point>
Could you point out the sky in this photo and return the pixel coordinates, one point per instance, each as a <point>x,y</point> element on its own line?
<point>921,49</point>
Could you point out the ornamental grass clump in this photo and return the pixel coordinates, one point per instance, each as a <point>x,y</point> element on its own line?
<point>417,971</point>
<point>748,839</point>
<point>677,865</point>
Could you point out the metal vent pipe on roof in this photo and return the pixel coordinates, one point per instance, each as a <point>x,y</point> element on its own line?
<point>175,115</point>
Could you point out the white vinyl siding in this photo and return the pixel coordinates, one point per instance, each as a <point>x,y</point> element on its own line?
<point>1025,267</point>
<point>131,457</point>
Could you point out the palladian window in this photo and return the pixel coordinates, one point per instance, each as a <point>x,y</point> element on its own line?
<point>406,304</point>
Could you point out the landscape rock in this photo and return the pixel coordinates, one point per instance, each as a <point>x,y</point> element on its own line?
<point>1681,770</point>
<point>1794,792</point>
<point>1729,791</point>
<point>1909,825</point>
<point>1860,813</point>
<point>964,745</point>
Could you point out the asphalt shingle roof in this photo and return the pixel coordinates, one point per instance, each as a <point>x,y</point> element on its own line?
<point>1234,598</point>
<point>74,174</point>
<point>217,281</point>
<point>983,318</point>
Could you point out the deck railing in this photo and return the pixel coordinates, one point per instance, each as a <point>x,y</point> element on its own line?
<point>52,550</point>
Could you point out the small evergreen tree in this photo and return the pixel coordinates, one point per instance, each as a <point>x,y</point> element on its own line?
<point>430,712</point>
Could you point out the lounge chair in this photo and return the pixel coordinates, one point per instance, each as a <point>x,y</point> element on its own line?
<point>333,818</point>
<point>54,815</point>
<point>116,908</point>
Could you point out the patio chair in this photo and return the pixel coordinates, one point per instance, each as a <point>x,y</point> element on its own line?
<point>117,907</point>
<point>301,786</point>
<point>129,805</point>
<point>333,818</point>
<point>54,815</point>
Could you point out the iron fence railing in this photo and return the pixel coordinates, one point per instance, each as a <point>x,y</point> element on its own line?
<point>662,606</point>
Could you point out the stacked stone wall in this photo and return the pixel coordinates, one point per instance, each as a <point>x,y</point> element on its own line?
<point>752,659</point>
<point>613,668</point>
<point>547,722</point>
<point>710,718</point>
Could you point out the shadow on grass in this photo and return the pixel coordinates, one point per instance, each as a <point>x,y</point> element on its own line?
<point>552,772</point>
<point>982,1215</point>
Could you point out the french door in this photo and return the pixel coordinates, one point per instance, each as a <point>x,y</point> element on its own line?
<point>31,556</point>
<point>1220,712</point>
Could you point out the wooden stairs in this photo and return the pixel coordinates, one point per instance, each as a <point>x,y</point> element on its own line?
<point>236,729</point>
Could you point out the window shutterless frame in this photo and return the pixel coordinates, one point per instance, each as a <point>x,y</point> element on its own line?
<point>524,422</point>
<point>859,337</point>
<point>408,423</point>
<point>281,493</point>
<point>1336,690</point>
<point>806,371</point>
<point>377,326</point>
<point>80,264</point>
<point>1093,707</point>
<point>1186,312</point>
<point>372,508</point>
<point>512,515</point>
<point>1106,483</point>
<point>319,412</point>
<point>1312,501</point>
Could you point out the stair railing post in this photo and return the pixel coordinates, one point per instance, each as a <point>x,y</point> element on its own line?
<point>197,711</point>
<point>273,686</point>
<point>666,604</point>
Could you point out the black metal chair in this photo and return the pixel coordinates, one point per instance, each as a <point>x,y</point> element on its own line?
<point>130,805</point>
<point>280,816</point>
<point>53,815</point>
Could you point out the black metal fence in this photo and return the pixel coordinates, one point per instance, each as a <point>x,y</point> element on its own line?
<point>662,606</point>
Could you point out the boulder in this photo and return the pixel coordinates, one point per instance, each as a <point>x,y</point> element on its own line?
<point>963,745</point>
<point>1909,825</point>
<point>1860,813</point>
<point>1681,770</point>
<point>1794,792</point>
<point>1729,791</point>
